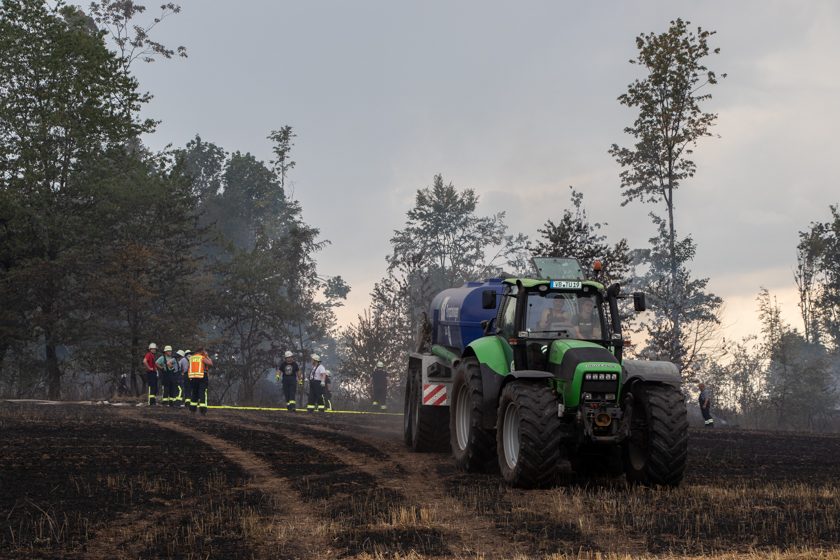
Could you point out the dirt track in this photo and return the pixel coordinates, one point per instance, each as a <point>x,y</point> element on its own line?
<point>102,482</point>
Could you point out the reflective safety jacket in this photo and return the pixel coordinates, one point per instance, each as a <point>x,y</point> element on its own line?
<point>197,366</point>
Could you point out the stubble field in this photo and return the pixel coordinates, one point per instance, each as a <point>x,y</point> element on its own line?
<point>87,481</point>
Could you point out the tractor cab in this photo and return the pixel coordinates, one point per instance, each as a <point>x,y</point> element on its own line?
<point>536,313</point>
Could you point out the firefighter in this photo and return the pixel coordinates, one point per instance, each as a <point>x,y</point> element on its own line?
<point>288,374</point>
<point>185,378</point>
<point>379,379</point>
<point>316,380</point>
<point>151,373</point>
<point>167,365</point>
<point>200,362</point>
<point>183,368</point>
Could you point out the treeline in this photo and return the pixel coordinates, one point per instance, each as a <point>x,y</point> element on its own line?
<point>786,378</point>
<point>106,245</point>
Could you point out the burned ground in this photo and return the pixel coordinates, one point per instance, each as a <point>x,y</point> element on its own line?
<point>82,481</point>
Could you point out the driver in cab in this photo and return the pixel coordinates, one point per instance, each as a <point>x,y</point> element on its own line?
<point>559,316</point>
<point>588,323</point>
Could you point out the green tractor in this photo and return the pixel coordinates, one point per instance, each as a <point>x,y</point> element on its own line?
<point>529,373</point>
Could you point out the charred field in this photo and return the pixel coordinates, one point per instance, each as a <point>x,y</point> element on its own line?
<point>86,481</point>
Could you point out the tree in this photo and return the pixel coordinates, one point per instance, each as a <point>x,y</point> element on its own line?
<point>799,377</point>
<point>65,98</point>
<point>818,280</point>
<point>145,283</point>
<point>267,293</point>
<point>283,143</point>
<point>575,236</point>
<point>676,300</point>
<point>444,243</point>
<point>669,125</point>
<point>362,346</point>
<point>133,40</point>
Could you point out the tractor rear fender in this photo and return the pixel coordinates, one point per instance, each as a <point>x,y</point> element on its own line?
<point>649,371</point>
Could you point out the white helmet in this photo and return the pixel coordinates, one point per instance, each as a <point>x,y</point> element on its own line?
<point>316,358</point>
<point>187,351</point>
<point>181,353</point>
<point>152,346</point>
<point>288,354</point>
<point>167,348</point>
<point>380,364</point>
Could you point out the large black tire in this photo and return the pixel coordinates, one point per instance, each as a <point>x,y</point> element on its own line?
<point>529,434</point>
<point>425,428</point>
<point>657,449</point>
<point>473,447</point>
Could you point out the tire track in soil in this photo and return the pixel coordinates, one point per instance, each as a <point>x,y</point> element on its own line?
<point>489,507</point>
<point>262,479</point>
<point>393,465</point>
<point>362,508</point>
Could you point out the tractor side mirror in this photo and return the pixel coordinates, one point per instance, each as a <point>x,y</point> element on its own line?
<point>639,301</point>
<point>613,290</point>
<point>488,299</point>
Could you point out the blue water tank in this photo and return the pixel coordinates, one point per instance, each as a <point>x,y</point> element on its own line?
<point>456,313</point>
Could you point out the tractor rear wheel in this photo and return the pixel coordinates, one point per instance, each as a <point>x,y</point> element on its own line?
<point>656,451</point>
<point>529,435</point>
<point>425,428</point>
<point>472,446</point>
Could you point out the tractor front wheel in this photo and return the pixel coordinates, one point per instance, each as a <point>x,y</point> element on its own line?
<point>529,435</point>
<point>472,446</point>
<point>656,451</point>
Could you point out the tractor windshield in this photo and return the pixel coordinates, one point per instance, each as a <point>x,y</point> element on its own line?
<point>566,314</point>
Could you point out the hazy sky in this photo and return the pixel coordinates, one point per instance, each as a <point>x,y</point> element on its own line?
<point>517,101</point>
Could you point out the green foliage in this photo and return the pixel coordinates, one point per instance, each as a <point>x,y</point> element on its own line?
<point>364,343</point>
<point>132,39</point>
<point>66,100</point>
<point>283,144</point>
<point>668,126</point>
<point>145,282</point>
<point>444,243</point>
<point>670,120</point>
<point>799,377</point>
<point>818,279</point>
<point>575,236</point>
<point>685,299</point>
<point>267,294</point>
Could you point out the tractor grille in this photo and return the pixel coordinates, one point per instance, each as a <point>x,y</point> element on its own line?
<point>599,386</point>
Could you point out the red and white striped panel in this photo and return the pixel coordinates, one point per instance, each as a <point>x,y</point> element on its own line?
<point>435,394</point>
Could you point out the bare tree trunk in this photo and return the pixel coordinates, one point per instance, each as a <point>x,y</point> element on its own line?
<point>675,313</point>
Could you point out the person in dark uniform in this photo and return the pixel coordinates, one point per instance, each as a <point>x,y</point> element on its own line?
<point>316,387</point>
<point>705,406</point>
<point>167,365</point>
<point>379,379</point>
<point>287,373</point>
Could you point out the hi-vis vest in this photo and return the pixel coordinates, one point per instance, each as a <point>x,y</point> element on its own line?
<point>196,366</point>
